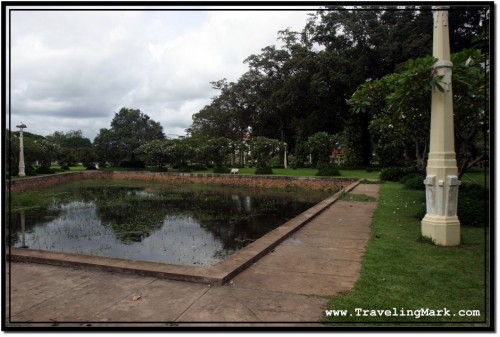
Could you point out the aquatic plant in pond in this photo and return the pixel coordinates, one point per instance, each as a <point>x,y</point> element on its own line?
<point>189,225</point>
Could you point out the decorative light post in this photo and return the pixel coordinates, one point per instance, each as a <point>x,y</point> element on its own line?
<point>285,157</point>
<point>441,223</point>
<point>21,150</point>
<point>23,229</point>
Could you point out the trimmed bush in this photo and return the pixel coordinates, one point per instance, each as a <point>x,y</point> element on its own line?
<point>472,208</point>
<point>415,182</point>
<point>395,173</point>
<point>184,169</point>
<point>264,170</point>
<point>133,164</point>
<point>157,169</point>
<point>473,205</point>
<point>197,167</point>
<point>328,171</point>
<point>44,170</point>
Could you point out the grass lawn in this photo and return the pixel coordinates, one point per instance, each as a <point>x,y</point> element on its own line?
<point>307,172</point>
<point>402,271</point>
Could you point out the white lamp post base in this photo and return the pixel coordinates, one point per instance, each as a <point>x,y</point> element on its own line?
<point>442,230</point>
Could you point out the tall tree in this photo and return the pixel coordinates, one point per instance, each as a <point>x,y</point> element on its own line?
<point>130,128</point>
<point>73,147</point>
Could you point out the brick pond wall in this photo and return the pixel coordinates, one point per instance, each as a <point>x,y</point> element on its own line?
<point>320,183</point>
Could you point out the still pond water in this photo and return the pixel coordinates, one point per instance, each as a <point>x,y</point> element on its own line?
<point>186,224</point>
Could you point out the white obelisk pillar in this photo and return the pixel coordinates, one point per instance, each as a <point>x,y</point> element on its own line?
<point>21,151</point>
<point>441,223</point>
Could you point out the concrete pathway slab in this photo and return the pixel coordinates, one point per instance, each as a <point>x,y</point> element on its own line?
<point>287,249</point>
<point>160,301</point>
<point>98,293</point>
<point>236,304</point>
<point>33,284</point>
<point>294,282</point>
<point>219,305</point>
<point>323,265</point>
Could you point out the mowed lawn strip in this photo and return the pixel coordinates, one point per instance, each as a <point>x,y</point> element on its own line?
<point>401,271</point>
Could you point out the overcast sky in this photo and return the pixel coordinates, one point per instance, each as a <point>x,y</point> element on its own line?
<point>72,70</point>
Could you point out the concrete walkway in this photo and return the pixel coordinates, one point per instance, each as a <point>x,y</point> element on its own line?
<point>287,287</point>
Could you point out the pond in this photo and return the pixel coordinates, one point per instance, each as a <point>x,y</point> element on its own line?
<point>187,224</point>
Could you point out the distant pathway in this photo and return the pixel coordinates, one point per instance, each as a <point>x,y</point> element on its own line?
<point>288,285</point>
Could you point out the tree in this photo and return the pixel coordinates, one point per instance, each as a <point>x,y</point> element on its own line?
<point>217,150</point>
<point>262,151</point>
<point>321,146</point>
<point>130,128</point>
<point>399,108</point>
<point>73,148</point>
<point>226,116</point>
<point>302,87</point>
<point>155,151</point>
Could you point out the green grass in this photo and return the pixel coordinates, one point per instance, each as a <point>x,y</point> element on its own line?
<point>477,178</point>
<point>307,172</point>
<point>400,270</point>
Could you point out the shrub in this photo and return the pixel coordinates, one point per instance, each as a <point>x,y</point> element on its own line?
<point>473,205</point>
<point>197,167</point>
<point>221,170</point>
<point>184,169</point>
<point>328,171</point>
<point>89,165</point>
<point>29,170</point>
<point>264,170</point>
<point>415,182</point>
<point>157,169</point>
<point>395,173</point>
<point>133,164</point>
<point>65,167</point>
<point>472,208</point>
<point>44,170</point>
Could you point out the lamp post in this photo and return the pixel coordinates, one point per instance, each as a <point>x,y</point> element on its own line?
<point>441,223</point>
<point>21,150</point>
<point>23,229</point>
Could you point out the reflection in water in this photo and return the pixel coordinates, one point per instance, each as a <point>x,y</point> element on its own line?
<point>178,226</point>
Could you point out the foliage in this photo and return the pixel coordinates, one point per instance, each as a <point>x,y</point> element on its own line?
<point>72,148</point>
<point>262,151</point>
<point>216,150</point>
<point>134,164</point>
<point>394,173</point>
<point>264,170</point>
<point>155,151</point>
<point>130,128</point>
<point>327,170</point>
<point>415,182</point>
<point>301,88</point>
<point>473,205</point>
<point>44,170</point>
<point>399,106</point>
<point>321,146</point>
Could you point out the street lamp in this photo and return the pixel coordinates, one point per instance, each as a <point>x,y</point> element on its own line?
<point>21,150</point>
<point>441,223</point>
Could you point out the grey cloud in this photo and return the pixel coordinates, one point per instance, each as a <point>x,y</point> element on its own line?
<point>73,70</point>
